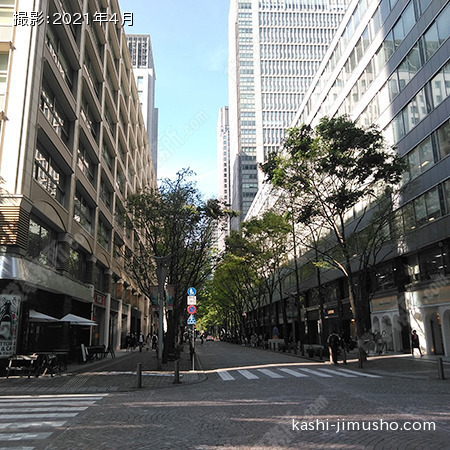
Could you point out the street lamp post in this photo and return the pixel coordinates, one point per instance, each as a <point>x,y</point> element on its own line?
<point>161,274</point>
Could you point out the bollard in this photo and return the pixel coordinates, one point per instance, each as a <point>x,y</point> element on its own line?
<point>360,359</point>
<point>176,379</point>
<point>440,369</point>
<point>139,375</point>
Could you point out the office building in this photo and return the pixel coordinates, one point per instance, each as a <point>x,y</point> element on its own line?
<point>223,168</point>
<point>389,66</point>
<point>73,146</point>
<point>274,51</point>
<point>140,46</point>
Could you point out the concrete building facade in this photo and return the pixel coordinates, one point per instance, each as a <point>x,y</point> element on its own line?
<point>73,146</point>
<point>140,46</point>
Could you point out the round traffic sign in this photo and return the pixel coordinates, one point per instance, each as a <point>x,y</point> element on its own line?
<point>192,291</point>
<point>192,309</point>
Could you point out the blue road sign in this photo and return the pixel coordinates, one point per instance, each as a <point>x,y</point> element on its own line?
<point>191,320</point>
<point>192,291</point>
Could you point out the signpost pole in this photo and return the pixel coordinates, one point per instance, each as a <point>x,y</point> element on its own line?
<point>192,309</point>
<point>193,347</point>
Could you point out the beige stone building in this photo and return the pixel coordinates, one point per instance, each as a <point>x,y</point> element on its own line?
<point>73,146</point>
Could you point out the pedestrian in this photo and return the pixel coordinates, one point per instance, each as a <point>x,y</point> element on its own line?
<point>378,342</point>
<point>333,345</point>
<point>384,339</point>
<point>148,341</point>
<point>127,342</point>
<point>154,341</point>
<point>415,343</point>
<point>141,341</point>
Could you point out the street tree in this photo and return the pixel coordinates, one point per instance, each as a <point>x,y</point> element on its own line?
<point>173,221</point>
<point>332,170</point>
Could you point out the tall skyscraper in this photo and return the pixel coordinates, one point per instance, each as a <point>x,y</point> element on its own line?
<point>275,49</point>
<point>223,166</point>
<point>140,46</point>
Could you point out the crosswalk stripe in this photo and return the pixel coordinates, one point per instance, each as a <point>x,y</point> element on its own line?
<point>226,376</point>
<point>315,372</point>
<point>361,374</point>
<point>270,373</point>
<point>247,374</point>
<point>294,373</point>
<point>37,416</point>
<point>47,404</point>
<point>19,409</point>
<point>21,436</point>
<point>27,418</point>
<point>341,374</point>
<point>46,423</point>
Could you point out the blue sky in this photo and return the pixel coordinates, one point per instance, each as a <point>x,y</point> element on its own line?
<point>190,49</point>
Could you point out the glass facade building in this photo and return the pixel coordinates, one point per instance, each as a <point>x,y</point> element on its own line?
<point>389,65</point>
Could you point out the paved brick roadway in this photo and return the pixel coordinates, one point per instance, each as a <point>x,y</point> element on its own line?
<point>264,411</point>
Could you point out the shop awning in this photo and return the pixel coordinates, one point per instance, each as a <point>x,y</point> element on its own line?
<point>77,320</point>
<point>35,316</point>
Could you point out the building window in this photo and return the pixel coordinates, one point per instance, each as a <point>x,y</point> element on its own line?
<point>42,243</point>
<point>48,175</point>
<point>104,235</point>
<point>4,57</point>
<point>77,264</point>
<point>85,164</point>
<point>83,213</point>
<point>106,194</point>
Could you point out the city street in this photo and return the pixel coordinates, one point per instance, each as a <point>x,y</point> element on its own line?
<point>250,398</point>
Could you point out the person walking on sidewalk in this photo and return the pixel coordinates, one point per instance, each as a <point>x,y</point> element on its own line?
<point>333,345</point>
<point>415,343</point>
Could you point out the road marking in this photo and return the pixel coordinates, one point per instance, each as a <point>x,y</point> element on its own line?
<point>270,373</point>
<point>22,436</point>
<point>294,373</point>
<point>315,372</point>
<point>27,418</point>
<point>341,374</point>
<point>37,416</point>
<point>226,376</point>
<point>19,409</point>
<point>247,374</point>
<point>361,374</point>
<point>46,423</point>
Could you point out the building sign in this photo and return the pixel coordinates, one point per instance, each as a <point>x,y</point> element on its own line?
<point>385,304</point>
<point>9,323</point>
<point>99,299</point>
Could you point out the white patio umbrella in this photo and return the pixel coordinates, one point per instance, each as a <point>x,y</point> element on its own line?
<point>36,316</point>
<point>77,320</point>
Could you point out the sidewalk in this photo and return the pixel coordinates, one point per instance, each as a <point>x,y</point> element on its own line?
<point>107,375</point>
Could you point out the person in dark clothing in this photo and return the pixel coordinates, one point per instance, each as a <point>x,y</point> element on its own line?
<point>333,345</point>
<point>415,343</point>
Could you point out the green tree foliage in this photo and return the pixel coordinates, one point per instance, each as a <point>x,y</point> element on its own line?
<point>330,170</point>
<point>252,268</point>
<point>175,221</point>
